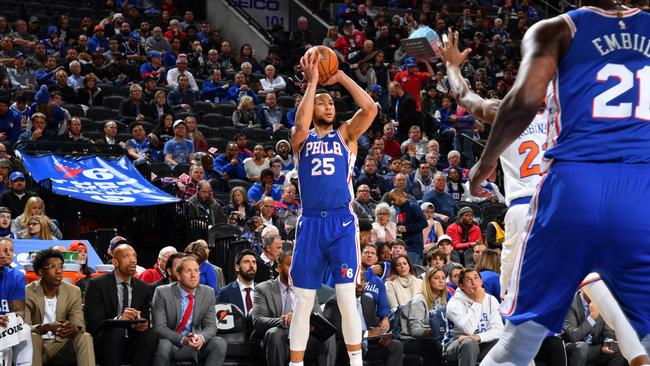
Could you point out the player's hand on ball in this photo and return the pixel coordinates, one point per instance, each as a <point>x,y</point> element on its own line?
<point>309,63</point>
<point>336,78</point>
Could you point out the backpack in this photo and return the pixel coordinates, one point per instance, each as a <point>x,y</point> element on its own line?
<point>438,322</point>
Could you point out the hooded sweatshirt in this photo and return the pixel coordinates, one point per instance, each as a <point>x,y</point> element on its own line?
<point>467,317</point>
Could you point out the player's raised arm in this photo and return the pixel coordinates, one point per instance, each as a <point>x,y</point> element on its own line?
<point>305,111</point>
<point>361,120</point>
<point>478,107</point>
<point>542,47</point>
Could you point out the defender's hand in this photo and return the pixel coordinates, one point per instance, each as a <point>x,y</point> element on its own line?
<point>450,52</point>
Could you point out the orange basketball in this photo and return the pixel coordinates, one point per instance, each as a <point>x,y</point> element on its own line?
<point>328,65</point>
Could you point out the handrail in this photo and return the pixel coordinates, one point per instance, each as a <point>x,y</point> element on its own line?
<point>252,22</point>
<point>79,149</point>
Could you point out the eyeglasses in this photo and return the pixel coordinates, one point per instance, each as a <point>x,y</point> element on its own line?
<point>54,267</point>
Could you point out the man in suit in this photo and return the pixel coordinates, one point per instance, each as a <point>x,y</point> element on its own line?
<point>242,291</point>
<point>267,263</point>
<point>185,321</point>
<point>170,269</point>
<point>54,312</point>
<point>119,295</point>
<point>388,350</point>
<point>588,338</point>
<point>272,313</point>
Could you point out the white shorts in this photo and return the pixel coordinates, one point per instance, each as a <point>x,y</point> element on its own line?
<point>515,230</point>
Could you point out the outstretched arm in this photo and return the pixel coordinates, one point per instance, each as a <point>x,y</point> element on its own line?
<point>305,111</point>
<point>361,120</point>
<point>542,48</point>
<point>478,107</point>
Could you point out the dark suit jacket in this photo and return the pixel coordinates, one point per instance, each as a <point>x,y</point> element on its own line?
<point>333,315</point>
<point>101,300</point>
<point>265,271</point>
<point>127,109</point>
<point>231,294</point>
<point>577,328</point>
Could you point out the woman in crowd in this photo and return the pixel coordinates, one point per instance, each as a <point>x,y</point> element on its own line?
<point>455,184</point>
<point>199,250</point>
<point>336,42</point>
<point>256,163</point>
<point>246,55</point>
<point>244,117</point>
<point>403,285</point>
<point>272,82</point>
<point>5,171</point>
<point>82,259</point>
<point>164,131</point>
<point>37,229</point>
<point>384,229</point>
<point>383,251</point>
<point>434,229</point>
<point>194,135</point>
<point>34,206</point>
<point>416,332</point>
<point>90,95</point>
<point>160,107</point>
<point>239,206</point>
<point>489,264</point>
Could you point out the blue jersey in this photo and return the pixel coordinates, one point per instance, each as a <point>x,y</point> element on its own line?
<point>12,287</point>
<point>601,106</point>
<point>325,172</point>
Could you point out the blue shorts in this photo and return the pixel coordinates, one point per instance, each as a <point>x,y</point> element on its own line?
<point>584,218</point>
<point>327,244</point>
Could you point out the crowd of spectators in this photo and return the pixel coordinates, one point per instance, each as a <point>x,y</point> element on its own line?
<point>211,125</point>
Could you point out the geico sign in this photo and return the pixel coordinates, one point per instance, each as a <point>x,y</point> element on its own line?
<point>258,4</point>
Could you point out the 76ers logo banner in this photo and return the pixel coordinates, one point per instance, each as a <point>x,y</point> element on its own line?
<point>112,182</point>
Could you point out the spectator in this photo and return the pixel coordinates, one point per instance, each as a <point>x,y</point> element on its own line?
<point>73,133</point>
<point>16,198</point>
<point>410,223</point>
<point>434,230</point>
<point>377,183</point>
<point>268,216</point>
<point>384,228</point>
<point>256,164</point>
<point>215,90</point>
<point>423,181</point>
<point>375,287</point>
<point>291,114</point>
<point>75,80</point>
<point>82,260</point>
<point>181,98</point>
<point>53,113</point>
<point>271,116</point>
<point>10,121</point>
<point>159,106</point>
<point>190,340</point>
<point>157,273</point>
<point>240,89</point>
<point>37,229</point>
<point>13,295</point>
<point>251,79</point>
<point>464,232</point>
<point>154,68</point>
<point>204,206</point>
<point>435,259</point>
<point>445,246</point>
<point>283,148</point>
<point>276,167</point>
<point>34,207</point>
<point>301,39</point>
<point>363,205</point>
<point>179,150</point>
<point>387,350</point>
<point>20,106</point>
<point>135,106</point>
<point>416,330</point>
<point>474,321</point>
<point>110,133</point>
<point>164,131</point>
<point>67,92</point>
<point>131,48</point>
<point>244,117</point>
<point>241,291</point>
<point>229,164</point>
<point>355,39</point>
<point>45,74</point>
<point>287,208</point>
<point>194,135</point>
<point>21,76</point>
<point>199,250</point>
<point>489,264</point>
<point>53,337</point>
<point>272,83</point>
<point>226,61</point>
<point>170,271</point>
<point>402,285</point>
<point>272,313</point>
<point>239,205</point>
<point>157,42</point>
<point>445,118</point>
<point>442,201</point>
<point>455,186</point>
<point>406,113</point>
<point>98,43</point>
<point>267,264</point>
<point>391,145</point>
<point>5,171</point>
<point>174,31</point>
<point>39,131</point>
<point>411,80</point>
<point>246,55</point>
<point>89,94</point>
<point>400,181</point>
<point>140,149</point>
<point>415,137</point>
<point>587,335</point>
<point>181,69</point>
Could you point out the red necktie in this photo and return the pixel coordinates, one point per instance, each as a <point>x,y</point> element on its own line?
<point>249,302</point>
<point>186,315</point>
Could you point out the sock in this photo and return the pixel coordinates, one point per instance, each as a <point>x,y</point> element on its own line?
<point>355,358</point>
<point>296,363</point>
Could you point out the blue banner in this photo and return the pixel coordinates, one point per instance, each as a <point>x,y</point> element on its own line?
<point>93,179</point>
<point>23,247</point>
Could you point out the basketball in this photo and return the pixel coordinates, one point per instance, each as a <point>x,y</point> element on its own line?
<point>328,65</point>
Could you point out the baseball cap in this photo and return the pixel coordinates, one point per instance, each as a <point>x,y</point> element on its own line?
<point>426,205</point>
<point>75,245</point>
<point>378,89</point>
<point>181,58</point>
<point>33,19</point>
<point>134,36</point>
<point>98,28</point>
<point>149,78</point>
<point>20,55</point>
<point>16,175</point>
<point>116,241</point>
<point>178,122</point>
<point>443,238</point>
<point>410,62</point>
<point>153,54</point>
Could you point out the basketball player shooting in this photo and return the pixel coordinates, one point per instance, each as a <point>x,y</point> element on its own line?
<point>521,163</point>
<point>327,235</point>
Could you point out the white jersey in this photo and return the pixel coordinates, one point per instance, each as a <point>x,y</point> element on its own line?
<point>521,161</point>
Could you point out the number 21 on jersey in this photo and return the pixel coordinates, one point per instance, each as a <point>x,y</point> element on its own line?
<point>601,105</point>
<point>322,166</point>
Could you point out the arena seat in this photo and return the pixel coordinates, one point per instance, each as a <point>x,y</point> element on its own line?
<point>216,120</point>
<point>234,327</point>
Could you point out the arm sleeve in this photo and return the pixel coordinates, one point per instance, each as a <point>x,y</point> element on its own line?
<point>418,319</point>
<point>383,308</point>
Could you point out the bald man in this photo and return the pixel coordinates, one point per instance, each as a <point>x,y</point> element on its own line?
<point>120,296</point>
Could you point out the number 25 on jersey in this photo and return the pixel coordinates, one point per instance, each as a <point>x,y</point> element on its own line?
<point>322,166</point>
